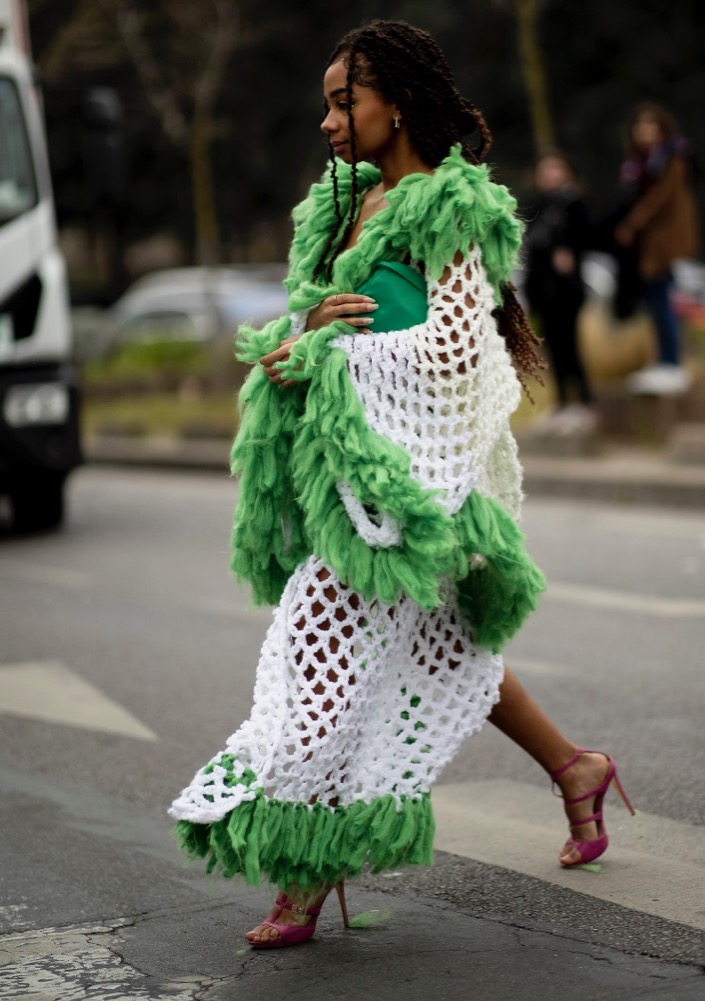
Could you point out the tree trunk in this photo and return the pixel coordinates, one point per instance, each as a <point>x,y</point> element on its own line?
<point>532,65</point>
<point>204,211</point>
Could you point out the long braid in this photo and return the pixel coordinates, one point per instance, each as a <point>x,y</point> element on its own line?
<point>321,268</point>
<point>333,247</point>
<point>409,69</point>
<point>521,339</point>
<point>336,188</point>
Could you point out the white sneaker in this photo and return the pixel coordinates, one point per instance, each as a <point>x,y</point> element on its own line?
<point>660,380</point>
<point>576,418</point>
<point>547,422</point>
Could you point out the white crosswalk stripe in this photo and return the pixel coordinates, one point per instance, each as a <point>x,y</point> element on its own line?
<point>49,691</point>
<point>653,865</point>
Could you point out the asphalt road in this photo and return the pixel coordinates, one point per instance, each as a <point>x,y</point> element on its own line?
<point>128,656</point>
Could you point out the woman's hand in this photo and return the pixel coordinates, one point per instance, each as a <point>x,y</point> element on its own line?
<point>347,306</point>
<point>563,260</point>
<point>281,353</point>
<point>623,235</point>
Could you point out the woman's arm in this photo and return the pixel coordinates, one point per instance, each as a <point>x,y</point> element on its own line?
<point>442,389</point>
<point>449,344</point>
<point>348,307</point>
<point>651,203</point>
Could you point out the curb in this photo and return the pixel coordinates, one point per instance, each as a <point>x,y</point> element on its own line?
<point>207,454</point>
<point>621,475</point>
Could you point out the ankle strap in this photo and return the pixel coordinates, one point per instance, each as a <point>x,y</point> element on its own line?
<point>564,768</point>
<point>291,905</point>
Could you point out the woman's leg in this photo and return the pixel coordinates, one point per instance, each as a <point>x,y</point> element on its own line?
<point>554,338</point>
<point>658,302</point>
<point>573,359</point>
<point>560,331</point>
<point>521,719</point>
<point>330,642</point>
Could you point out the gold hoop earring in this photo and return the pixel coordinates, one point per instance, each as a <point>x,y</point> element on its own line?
<point>397,121</point>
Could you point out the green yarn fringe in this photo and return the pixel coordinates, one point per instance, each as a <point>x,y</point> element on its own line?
<point>335,443</point>
<point>294,845</point>
<point>292,451</point>
<point>429,216</point>
<point>296,445</point>
<point>498,594</point>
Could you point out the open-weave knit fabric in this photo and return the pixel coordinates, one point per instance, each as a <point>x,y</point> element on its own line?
<point>353,701</point>
<point>377,507</point>
<point>444,391</point>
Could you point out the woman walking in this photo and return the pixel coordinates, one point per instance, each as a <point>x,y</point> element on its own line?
<point>379,493</point>
<point>659,225</point>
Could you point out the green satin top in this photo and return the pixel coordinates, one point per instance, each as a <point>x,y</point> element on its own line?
<point>400,293</point>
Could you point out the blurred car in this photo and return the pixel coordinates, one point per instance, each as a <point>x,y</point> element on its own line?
<point>200,304</point>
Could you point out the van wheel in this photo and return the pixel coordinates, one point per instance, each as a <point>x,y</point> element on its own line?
<point>37,502</point>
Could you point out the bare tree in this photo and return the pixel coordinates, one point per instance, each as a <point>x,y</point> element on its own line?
<point>83,40</point>
<point>527,13</point>
<point>183,90</point>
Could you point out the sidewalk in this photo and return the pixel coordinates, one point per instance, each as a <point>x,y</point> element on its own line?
<point>98,904</point>
<point>620,474</point>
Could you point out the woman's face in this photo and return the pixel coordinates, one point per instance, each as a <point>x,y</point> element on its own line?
<point>552,173</point>
<point>646,132</point>
<point>373,115</point>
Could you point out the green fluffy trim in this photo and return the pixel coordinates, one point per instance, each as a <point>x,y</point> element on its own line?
<point>295,845</point>
<point>292,452</point>
<point>335,443</point>
<point>295,446</point>
<point>268,540</point>
<point>497,594</point>
<point>252,344</point>
<point>432,217</point>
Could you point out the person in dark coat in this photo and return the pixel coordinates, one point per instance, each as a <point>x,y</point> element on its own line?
<point>554,244</point>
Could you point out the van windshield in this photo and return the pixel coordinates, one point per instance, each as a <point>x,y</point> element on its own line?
<point>18,190</point>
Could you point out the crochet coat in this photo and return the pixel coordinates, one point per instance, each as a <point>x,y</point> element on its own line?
<point>378,504</point>
<point>295,448</point>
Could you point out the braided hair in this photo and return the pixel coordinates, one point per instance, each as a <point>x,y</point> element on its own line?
<point>386,55</point>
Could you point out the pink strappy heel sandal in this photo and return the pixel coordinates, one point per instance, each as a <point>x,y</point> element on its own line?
<point>591,850</point>
<point>298,934</point>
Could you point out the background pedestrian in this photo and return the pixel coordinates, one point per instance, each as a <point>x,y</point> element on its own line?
<point>660,225</point>
<point>556,236</point>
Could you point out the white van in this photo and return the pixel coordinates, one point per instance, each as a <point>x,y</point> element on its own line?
<point>39,438</point>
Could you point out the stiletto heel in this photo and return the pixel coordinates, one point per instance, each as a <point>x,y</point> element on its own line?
<point>589,851</point>
<point>340,890</point>
<point>297,934</point>
<point>619,788</point>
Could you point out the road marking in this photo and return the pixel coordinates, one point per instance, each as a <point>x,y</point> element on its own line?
<point>624,601</point>
<point>48,690</point>
<point>40,574</point>
<point>519,826</point>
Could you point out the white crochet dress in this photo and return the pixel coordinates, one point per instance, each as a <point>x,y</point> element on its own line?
<point>356,700</point>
